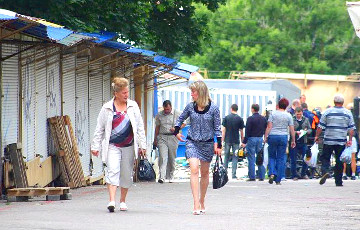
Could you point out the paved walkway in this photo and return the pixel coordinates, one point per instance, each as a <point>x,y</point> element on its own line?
<point>239,205</point>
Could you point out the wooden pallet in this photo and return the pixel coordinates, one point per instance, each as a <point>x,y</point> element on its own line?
<point>37,191</point>
<point>100,180</point>
<point>68,154</point>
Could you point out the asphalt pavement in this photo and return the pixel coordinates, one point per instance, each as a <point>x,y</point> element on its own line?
<point>302,204</point>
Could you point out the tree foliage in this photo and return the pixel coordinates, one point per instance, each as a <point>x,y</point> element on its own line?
<point>170,25</point>
<point>304,36</point>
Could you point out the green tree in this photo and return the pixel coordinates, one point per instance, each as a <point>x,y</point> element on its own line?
<point>170,26</point>
<point>304,36</point>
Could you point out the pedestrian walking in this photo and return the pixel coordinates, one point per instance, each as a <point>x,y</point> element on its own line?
<point>232,125</point>
<point>253,141</point>
<point>337,122</point>
<point>302,99</point>
<point>205,124</point>
<point>276,135</point>
<point>302,130</point>
<point>119,137</point>
<point>295,103</point>
<point>166,142</point>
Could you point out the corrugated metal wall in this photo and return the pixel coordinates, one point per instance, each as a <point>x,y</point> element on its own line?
<point>68,69</point>
<point>82,113</point>
<point>95,104</point>
<point>10,99</point>
<point>41,146</point>
<point>28,104</point>
<point>224,98</point>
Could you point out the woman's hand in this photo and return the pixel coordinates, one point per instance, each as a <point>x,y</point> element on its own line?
<point>180,137</point>
<point>293,144</point>
<point>217,151</point>
<point>95,153</point>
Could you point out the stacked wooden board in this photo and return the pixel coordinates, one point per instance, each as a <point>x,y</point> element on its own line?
<point>13,152</point>
<point>67,151</point>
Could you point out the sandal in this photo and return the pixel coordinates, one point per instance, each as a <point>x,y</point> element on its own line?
<point>196,212</point>
<point>123,206</point>
<point>202,211</point>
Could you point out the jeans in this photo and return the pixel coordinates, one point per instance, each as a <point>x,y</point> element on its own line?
<point>325,161</point>
<point>300,147</point>
<point>253,146</point>
<point>235,148</point>
<point>277,150</point>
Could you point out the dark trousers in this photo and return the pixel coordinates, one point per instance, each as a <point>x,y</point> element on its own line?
<point>300,147</point>
<point>325,160</point>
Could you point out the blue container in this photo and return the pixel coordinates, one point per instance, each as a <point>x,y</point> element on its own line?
<point>181,149</point>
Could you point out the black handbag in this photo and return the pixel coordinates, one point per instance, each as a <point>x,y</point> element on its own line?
<point>260,157</point>
<point>220,177</point>
<point>145,170</point>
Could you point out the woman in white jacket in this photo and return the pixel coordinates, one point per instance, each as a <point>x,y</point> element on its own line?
<point>119,137</point>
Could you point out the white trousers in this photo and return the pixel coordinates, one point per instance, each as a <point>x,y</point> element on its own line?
<point>119,168</point>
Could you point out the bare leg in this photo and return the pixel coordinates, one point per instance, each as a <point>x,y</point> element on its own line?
<point>124,192</point>
<point>194,181</point>
<point>344,170</point>
<point>353,163</point>
<point>112,191</point>
<point>204,182</point>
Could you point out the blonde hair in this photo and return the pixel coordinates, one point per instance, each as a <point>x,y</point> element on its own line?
<point>203,91</point>
<point>119,83</point>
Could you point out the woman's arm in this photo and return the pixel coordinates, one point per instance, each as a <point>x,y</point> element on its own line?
<point>140,128</point>
<point>99,131</point>
<point>184,115</point>
<point>267,131</point>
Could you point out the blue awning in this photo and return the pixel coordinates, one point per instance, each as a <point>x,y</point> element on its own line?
<point>186,67</point>
<point>165,60</point>
<point>47,30</point>
<point>116,45</point>
<point>42,31</point>
<point>143,52</point>
<point>180,73</point>
<point>101,37</point>
<point>7,17</point>
<point>56,33</point>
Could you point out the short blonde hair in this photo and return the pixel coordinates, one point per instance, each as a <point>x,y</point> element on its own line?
<point>203,91</point>
<point>119,83</point>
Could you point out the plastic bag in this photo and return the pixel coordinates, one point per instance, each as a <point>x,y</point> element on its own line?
<point>145,170</point>
<point>312,161</point>
<point>346,155</point>
<point>220,177</point>
<point>260,157</point>
<point>266,155</point>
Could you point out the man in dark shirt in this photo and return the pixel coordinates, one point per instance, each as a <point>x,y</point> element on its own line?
<point>232,124</point>
<point>254,132</point>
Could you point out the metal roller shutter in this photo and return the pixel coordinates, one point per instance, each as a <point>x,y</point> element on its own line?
<point>106,84</point>
<point>41,146</point>
<point>69,86</point>
<point>53,84</point>
<point>10,98</point>
<point>95,104</point>
<point>28,105</point>
<point>81,114</point>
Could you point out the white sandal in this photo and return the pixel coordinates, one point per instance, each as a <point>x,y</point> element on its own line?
<point>196,212</point>
<point>123,206</point>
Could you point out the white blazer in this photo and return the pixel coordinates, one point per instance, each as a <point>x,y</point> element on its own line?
<point>104,126</point>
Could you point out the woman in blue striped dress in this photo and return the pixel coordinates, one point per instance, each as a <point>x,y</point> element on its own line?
<point>205,124</point>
